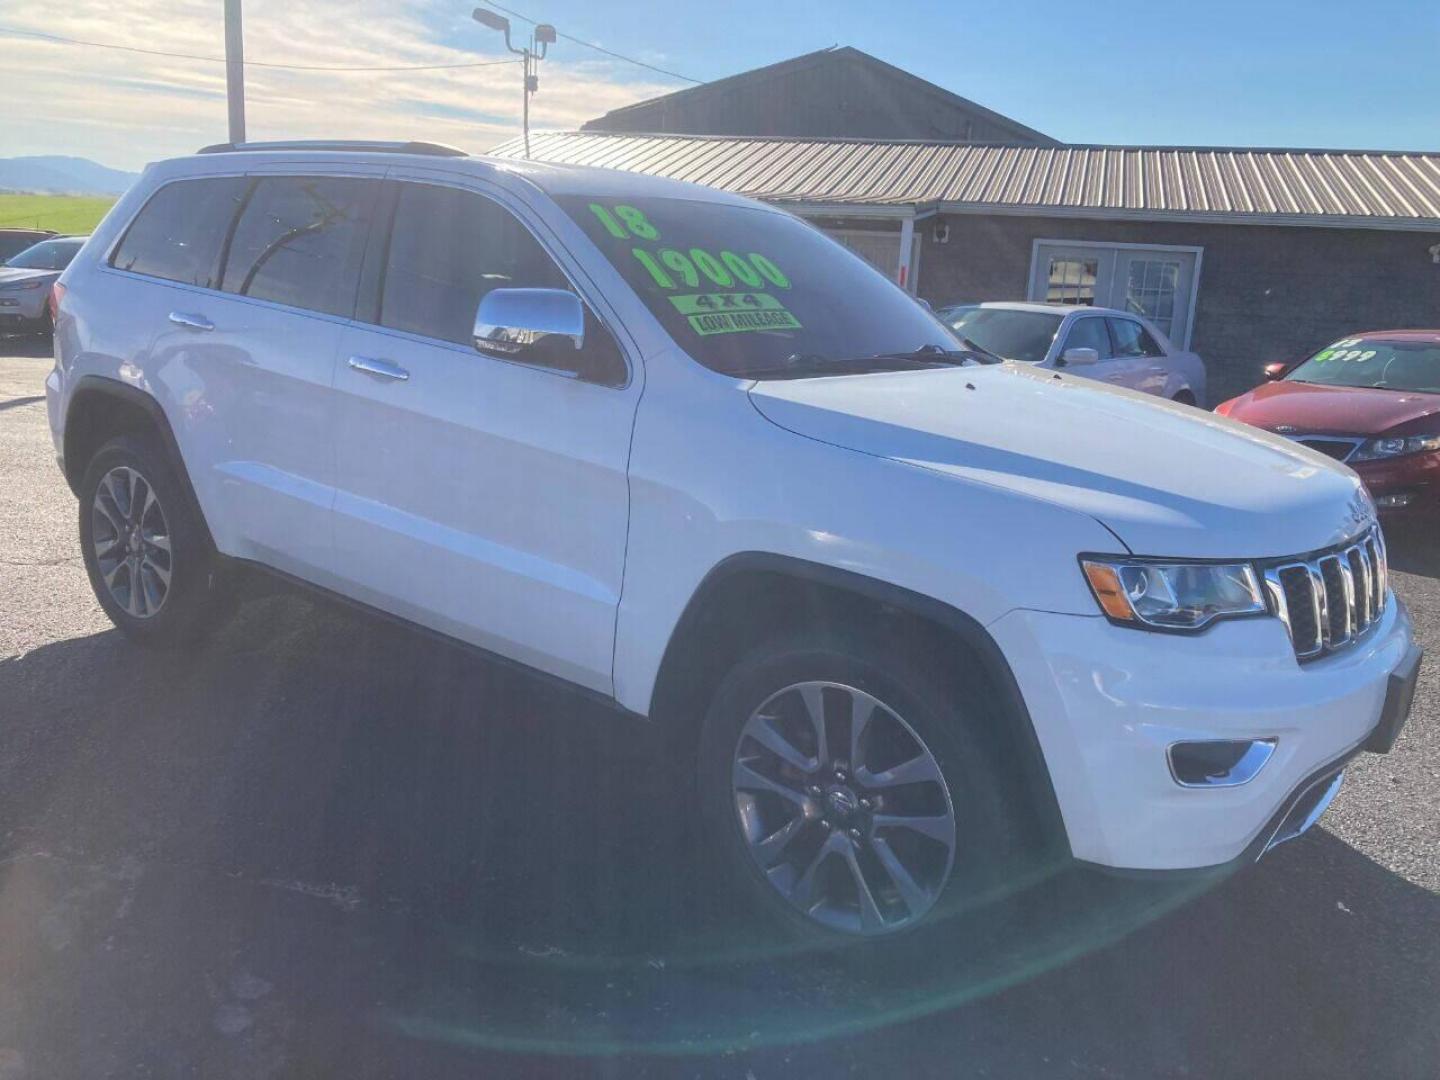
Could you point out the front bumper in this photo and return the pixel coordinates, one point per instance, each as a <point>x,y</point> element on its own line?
<point>1107,702</point>
<point>1403,486</point>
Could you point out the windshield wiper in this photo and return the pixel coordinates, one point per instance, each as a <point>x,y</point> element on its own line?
<point>970,345</point>
<point>807,365</point>
<point>935,356</point>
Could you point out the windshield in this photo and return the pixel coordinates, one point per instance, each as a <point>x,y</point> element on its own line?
<point>753,293</point>
<point>1013,335</point>
<point>1375,363</point>
<point>47,255</point>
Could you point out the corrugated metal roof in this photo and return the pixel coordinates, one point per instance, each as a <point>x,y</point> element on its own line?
<point>1303,187</point>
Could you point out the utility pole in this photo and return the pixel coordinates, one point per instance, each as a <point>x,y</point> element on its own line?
<point>235,70</point>
<point>542,36</point>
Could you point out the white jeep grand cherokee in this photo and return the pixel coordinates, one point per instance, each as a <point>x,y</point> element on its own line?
<point>919,617</point>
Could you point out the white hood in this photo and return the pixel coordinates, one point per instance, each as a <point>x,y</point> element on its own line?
<point>1166,479</point>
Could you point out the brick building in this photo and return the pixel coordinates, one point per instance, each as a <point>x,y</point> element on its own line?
<point>1245,255</point>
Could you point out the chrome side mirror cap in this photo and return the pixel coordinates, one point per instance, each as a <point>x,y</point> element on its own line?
<point>1078,357</point>
<point>508,320</point>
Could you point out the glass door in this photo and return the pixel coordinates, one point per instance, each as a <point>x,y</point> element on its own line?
<point>1154,282</point>
<point>1072,275</point>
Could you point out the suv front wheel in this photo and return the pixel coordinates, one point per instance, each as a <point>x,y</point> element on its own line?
<point>145,549</point>
<point>851,789</point>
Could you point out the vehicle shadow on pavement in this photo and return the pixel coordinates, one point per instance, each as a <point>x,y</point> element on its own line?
<point>319,844</point>
<point>29,345</point>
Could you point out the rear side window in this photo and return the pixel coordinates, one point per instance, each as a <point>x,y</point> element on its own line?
<point>1132,339</point>
<point>177,236</point>
<point>448,248</point>
<point>300,241</point>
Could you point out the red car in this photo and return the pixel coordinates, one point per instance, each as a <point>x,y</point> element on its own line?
<point>1371,401</point>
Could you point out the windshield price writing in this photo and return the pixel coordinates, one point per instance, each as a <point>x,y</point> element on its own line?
<point>673,268</point>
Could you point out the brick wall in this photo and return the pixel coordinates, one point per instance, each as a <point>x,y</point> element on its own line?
<point>1266,292</point>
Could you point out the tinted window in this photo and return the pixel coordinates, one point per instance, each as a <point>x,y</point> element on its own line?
<point>177,235</point>
<point>752,292</point>
<point>1132,339</point>
<point>1089,334</point>
<point>48,255</point>
<point>448,248</point>
<point>300,241</point>
<point>1015,335</point>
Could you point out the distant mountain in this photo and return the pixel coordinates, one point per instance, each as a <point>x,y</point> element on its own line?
<point>67,175</point>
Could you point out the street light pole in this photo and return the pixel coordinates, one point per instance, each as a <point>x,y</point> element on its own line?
<point>531,54</point>
<point>235,70</point>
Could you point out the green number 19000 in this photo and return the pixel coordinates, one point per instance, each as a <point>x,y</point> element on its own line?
<point>664,265</point>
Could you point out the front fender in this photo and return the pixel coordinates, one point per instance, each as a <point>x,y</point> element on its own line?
<point>712,479</point>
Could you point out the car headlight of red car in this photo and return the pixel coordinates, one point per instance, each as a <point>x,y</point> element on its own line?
<point>1377,449</point>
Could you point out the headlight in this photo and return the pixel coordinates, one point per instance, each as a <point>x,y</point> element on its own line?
<point>1172,595</point>
<point>1375,449</point>
<point>22,285</point>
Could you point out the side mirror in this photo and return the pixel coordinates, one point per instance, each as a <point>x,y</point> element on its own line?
<point>1078,357</point>
<point>508,320</point>
<point>1275,371</point>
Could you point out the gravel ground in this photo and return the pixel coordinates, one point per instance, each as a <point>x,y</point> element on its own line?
<point>321,845</point>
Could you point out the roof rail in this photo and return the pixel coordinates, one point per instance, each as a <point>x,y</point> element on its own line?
<point>367,145</point>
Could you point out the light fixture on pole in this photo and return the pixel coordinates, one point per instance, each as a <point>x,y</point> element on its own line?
<point>540,38</point>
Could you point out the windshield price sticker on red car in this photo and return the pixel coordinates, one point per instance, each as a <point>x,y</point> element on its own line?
<point>1343,351</point>
<point>676,267</point>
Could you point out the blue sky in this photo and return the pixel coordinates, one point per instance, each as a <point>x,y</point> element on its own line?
<point>1260,73</point>
<point>1263,73</point>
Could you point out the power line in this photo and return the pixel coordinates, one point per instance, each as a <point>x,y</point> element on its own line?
<point>248,63</point>
<point>597,48</point>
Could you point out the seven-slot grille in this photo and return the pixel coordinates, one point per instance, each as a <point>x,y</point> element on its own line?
<point>1329,599</point>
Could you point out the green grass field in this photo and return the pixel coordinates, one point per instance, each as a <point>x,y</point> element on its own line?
<point>60,213</point>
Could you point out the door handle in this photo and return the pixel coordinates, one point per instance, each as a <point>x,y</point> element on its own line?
<point>383,368</point>
<point>193,322</point>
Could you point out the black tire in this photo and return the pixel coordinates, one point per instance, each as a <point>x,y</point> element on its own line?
<point>194,597</point>
<point>945,709</point>
<point>1184,397</point>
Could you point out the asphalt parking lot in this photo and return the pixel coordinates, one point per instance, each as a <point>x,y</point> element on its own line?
<point>321,845</point>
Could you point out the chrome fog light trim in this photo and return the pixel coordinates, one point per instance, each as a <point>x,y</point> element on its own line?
<point>1216,763</point>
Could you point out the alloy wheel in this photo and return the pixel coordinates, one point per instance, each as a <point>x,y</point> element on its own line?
<point>843,808</point>
<point>131,540</point>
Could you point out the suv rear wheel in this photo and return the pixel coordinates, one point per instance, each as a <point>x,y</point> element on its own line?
<point>149,560</point>
<point>851,792</point>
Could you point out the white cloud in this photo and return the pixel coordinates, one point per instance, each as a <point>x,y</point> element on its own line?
<point>124,109</point>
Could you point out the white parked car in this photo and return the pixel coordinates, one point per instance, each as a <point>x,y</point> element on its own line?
<point>25,280</point>
<point>918,619</point>
<point>1099,343</point>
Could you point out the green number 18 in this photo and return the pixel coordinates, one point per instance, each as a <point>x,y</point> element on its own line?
<point>633,218</point>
